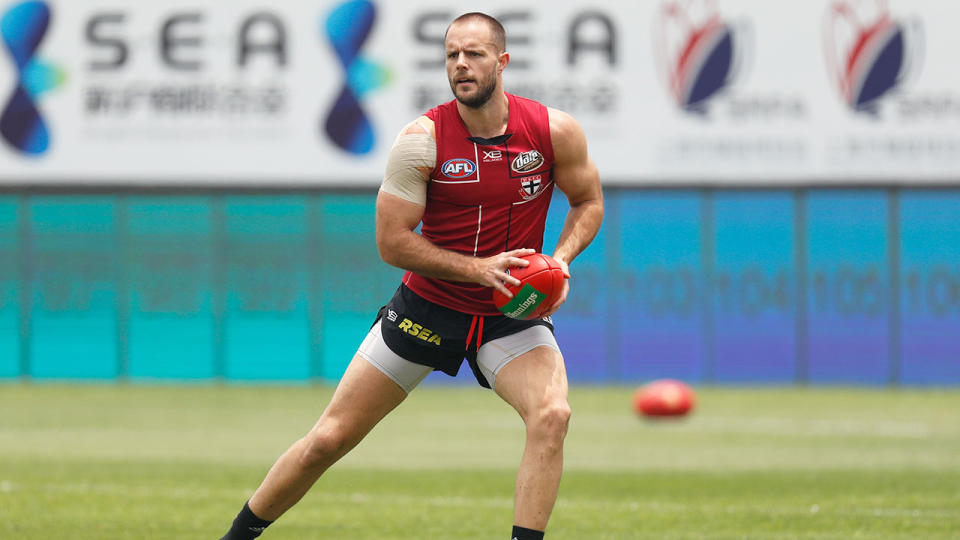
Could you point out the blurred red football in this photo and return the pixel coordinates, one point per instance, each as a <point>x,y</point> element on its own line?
<point>541,282</point>
<point>664,397</point>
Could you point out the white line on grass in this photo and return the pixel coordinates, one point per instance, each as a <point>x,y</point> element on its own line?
<point>787,426</point>
<point>507,502</point>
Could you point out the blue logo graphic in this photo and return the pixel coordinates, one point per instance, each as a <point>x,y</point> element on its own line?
<point>873,59</point>
<point>458,168</point>
<point>348,26</point>
<point>699,57</point>
<point>23,28</point>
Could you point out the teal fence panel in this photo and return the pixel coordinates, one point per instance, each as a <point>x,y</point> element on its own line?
<point>929,327</point>
<point>804,285</point>
<point>582,328</point>
<point>266,323</point>
<point>354,281</point>
<point>170,263</point>
<point>9,287</point>
<point>849,286</point>
<point>753,284</point>
<point>74,261</point>
<point>660,311</point>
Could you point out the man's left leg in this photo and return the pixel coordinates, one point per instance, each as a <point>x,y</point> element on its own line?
<point>535,384</point>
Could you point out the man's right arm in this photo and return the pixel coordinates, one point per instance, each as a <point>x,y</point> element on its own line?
<point>400,210</point>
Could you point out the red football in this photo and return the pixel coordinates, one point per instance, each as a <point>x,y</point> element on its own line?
<point>541,282</point>
<point>664,397</point>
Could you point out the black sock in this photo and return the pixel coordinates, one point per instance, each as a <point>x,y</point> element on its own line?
<point>246,526</point>
<point>519,533</point>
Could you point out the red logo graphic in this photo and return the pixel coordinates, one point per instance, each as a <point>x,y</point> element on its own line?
<point>698,52</point>
<point>869,53</point>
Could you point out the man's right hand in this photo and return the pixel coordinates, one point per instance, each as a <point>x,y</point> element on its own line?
<point>492,271</point>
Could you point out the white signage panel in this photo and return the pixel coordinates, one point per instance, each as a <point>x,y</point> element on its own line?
<point>670,92</point>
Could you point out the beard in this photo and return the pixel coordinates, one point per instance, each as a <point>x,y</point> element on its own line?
<point>485,88</point>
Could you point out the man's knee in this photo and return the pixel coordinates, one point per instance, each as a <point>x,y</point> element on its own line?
<point>550,421</point>
<point>323,446</point>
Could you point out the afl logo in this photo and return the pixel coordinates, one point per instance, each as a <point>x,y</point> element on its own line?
<point>527,162</point>
<point>699,54</point>
<point>458,168</point>
<point>868,52</point>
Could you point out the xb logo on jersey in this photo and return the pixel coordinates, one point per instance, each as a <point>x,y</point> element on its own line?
<point>23,28</point>
<point>698,52</point>
<point>869,53</point>
<point>490,156</point>
<point>458,168</point>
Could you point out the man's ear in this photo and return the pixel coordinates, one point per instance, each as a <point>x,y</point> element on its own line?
<point>503,60</point>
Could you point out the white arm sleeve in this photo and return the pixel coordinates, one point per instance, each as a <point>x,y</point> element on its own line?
<point>403,177</point>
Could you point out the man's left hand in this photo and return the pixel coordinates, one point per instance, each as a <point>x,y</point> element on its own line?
<point>566,288</point>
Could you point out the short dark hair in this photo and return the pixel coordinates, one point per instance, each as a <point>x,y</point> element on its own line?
<point>499,34</point>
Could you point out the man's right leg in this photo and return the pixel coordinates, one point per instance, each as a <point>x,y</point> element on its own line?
<point>376,381</point>
<point>364,396</point>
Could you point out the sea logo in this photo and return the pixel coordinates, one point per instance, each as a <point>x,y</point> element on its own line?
<point>698,52</point>
<point>348,26</point>
<point>458,168</point>
<point>23,28</point>
<point>869,53</point>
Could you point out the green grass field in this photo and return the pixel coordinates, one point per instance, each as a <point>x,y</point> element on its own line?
<point>105,462</point>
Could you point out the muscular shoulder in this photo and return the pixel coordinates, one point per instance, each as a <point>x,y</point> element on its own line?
<point>566,134</point>
<point>412,157</point>
<point>421,125</point>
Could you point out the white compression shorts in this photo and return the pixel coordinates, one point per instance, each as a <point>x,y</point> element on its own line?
<point>491,358</point>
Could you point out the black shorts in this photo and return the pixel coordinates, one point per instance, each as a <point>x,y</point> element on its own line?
<point>439,337</point>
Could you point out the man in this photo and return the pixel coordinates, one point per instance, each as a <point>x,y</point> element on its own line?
<point>478,173</point>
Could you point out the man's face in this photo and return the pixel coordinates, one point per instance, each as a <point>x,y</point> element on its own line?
<point>472,63</point>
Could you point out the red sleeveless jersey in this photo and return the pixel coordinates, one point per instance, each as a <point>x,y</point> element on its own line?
<point>485,196</point>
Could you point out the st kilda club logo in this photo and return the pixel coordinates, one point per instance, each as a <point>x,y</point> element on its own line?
<point>699,52</point>
<point>869,53</point>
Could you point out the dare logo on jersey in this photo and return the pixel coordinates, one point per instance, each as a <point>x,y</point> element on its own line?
<point>527,162</point>
<point>458,168</point>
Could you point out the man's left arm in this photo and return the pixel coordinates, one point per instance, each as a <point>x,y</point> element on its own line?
<point>577,177</point>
